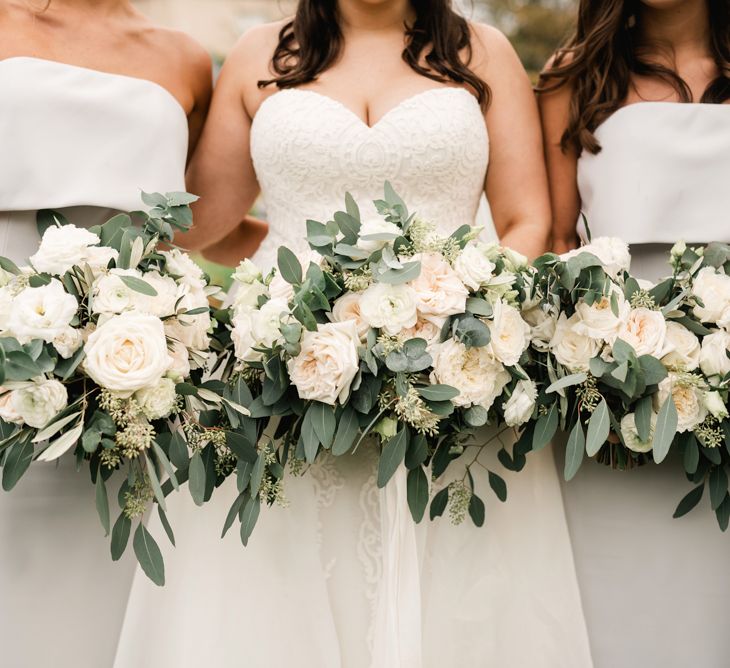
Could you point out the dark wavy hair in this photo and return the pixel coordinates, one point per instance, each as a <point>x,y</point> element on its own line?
<point>435,45</point>
<point>603,55</point>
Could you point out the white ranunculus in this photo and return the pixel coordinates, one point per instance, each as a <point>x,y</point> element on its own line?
<point>572,349</point>
<point>542,327</point>
<point>247,272</point>
<point>473,266</point>
<point>181,265</point>
<point>715,405</point>
<point>346,308</point>
<point>428,330</point>
<point>631,433</point>
<point>510,333</point>
<point>327,364</point>
<point>611,251</point>
<point>478,375</point>
<point>39,401</point>
<point>519,407</point>
<point>7,410</point>
<point>110,295</point>
<point>377,226</point>
<point>598,321</point>
<point>713,290</point>
<point>438,289</point>
<point>714,360</point>
<point>246,295</point>
<point>391,308</point>
<point>157,401</point>
<point>127,353</point>
<point>645,331</point>
<point>681,348</point>
<point>68,342</point>
<point>42,313</point>
<point>258,328</point>
<point>61,248</point>
<point>688,399</point>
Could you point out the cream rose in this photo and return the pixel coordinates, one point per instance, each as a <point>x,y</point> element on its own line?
<point>519,407</point>
<point>473,266</point>
<point>714,360</point>
<point>598,321</point>
<point>42,313</point>
<point>681,348</point>
<point>127,353</point>
<point>438,290</point>
<point>327,364</point>
<point>478,375</point>
<point>157,401</point>
<point>572,349</point>
<point>631,433</point>
<point>645,331</point>
<point>688,399</point>
<point>611,251</point>
<point>510,333</point>
<point>39,401</point>
<point>713,290</point>
<point>7,411</point>
<point>347,308</point>
<point>391,308</point>
<point>428,330</point>
<point>61,248</point>
<point>377,226</point>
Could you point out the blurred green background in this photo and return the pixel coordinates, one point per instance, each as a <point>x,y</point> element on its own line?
<point>535,27</point>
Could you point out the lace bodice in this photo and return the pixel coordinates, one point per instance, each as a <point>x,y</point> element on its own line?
<point>309,150</point>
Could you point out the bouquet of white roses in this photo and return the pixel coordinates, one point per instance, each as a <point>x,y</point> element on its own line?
<point>99,336</point>
<point>389,336</point>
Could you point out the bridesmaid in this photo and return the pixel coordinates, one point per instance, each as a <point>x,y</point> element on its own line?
<point>97,103</point>
<point>637,136</point>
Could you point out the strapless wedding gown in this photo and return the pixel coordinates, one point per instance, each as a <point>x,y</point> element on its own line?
<point>343,577</point>
<point>654,588</point>
<point>85,143</point>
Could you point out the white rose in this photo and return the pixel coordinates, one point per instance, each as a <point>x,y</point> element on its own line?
<point>598,321</point>
<point>327,364</point>
<point>7,410</point>
<point>61,248</point>
<point>68,342</point>
<point>157,401</point>
<point>428,330</point>
<point>346,308</point>
<point>478,375</point>
<point>681,348</point>
<point>473,267</point>
<point>127,353</point>
<point>713,290</point>
<point>180,367</point>
<point>377,226</point>
<point>573,350</point>
<point>391,308</point>
<point>510,333</point>
<point>38,402</point>
<point>631,433</point>
<point>42,313</point>
<point>611,251</point>
<point>258,328</point>
<point>519,407</point>
<point>688,399</point>
<point>247,272</point>
<point>714,360</point>
<point>181,265</point>
<point>438,289</point>
<point>715,405</point>
<point>645,331</point>
<point>542,327</point>
<point>246,295</point>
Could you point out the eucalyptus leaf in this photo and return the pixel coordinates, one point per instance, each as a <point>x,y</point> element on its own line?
<point>574,451</point>
<point>567,381</point>
<point>138,285</point>
<point>599,428</point>
<point>393,455</point>
<point>718,486</point>
<point>690,500</point>
<point>498,485</point>
<point>477,510</point>
<point>120,536</point>
<point>149,555</point>
<point>102,504</point>
<point>196,479</point>
<point>545,428</point>
<point>665,430</point>
<point>249,517</point>
<point>289,266</point>
<point>417,486</point>
<point>347,429</point>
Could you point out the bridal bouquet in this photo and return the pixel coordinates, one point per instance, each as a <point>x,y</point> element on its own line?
<point>99,337</point>
<point>631,369</point>
<point>387,336</point>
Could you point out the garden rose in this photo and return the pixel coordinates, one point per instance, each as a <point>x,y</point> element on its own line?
<point>473,267</point>
<point>391,308</point>
<point>7,411</point>
<point>572,349</point>
<point>377,226</point>
<point>645,331</point>
<point>438,289</point>
<point>714,360</point>
<point>346,308</point>
<point>681,348</point>
<point>598,321</point>
<point>713,290</point>
<point>688,399</point>
<point>39,401</point>
<point>428,330</point>
<point>519,407</point>
<point>611,251</point>
<point>510,333</point>
<point>42,313</point>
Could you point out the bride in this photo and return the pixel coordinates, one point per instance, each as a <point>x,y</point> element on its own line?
<point>344,96</point>
<point>637,128</point>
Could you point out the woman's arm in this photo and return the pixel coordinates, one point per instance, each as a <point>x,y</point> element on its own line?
<point>516,184</point>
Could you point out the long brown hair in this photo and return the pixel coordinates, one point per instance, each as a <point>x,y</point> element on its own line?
<point>435,43</point>
<point>603,55</point>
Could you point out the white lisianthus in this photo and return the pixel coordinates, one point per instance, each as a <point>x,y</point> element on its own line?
<point>346,308</point>
<point>612,252</point>
<point>327,364</point>
<point>510,333</point>
<point>681,348</point>
<point>181,265</point>
<point>473,266</point>
<point>645,331</point>
<point>391,308</point>
<point>258,328</point>
<point>598,321</point>
<point>377,226</point>
<point>157,401</point>
<point>519,407</point>
<point>61,248</point>
<point>7,410</point>
<point>42,313</point>
<point>247,272</point>
<point>68,342</point>
<point>39,401</point>
<point>438,289</point>
<point>428,330</point>
<point>714,360</point>
<point>572,349</point>
<point>715,405</point>
<point>478,375</point>
<point>99,257</point>
<point>713,290</point>
<point>631,433</point>
<point>542,327</point>
<point>688,399</point>
<point>127,353</point>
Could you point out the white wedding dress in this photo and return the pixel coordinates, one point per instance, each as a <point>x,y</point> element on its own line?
<point>85,143</point>
<point>654,588</point>
<point>343,578</point>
